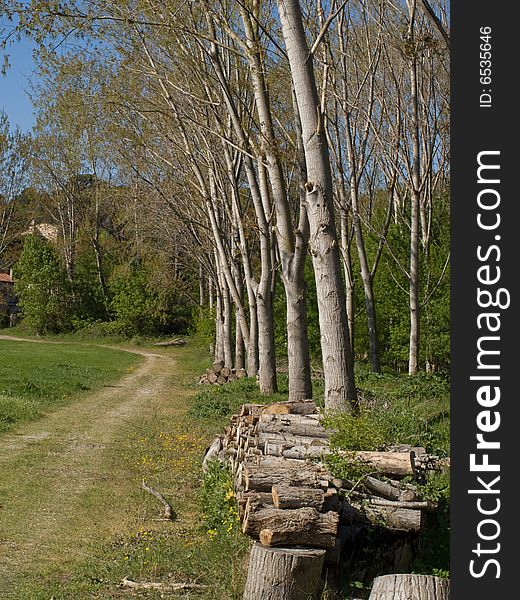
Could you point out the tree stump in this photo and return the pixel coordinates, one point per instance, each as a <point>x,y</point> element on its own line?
<point>283,573</point>
<point>410,587</point>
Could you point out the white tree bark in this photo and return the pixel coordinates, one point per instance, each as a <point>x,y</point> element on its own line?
<point>340,390</point>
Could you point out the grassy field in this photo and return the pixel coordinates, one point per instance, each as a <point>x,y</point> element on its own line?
<point>74,519</point>
<point>37,377</point>
<point>110,528</point>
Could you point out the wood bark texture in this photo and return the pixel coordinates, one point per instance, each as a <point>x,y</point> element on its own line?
<point>300,526</point>
<point>410,587</point>
<point>283,573</point>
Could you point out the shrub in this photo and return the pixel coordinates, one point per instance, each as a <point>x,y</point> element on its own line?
<point>42,288</point>
<point>218,501</point>
<point>203,326</point>
<point>144,309</point>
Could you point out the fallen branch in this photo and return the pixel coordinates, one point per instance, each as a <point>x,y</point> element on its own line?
<point>169,513</point>
<point>163,587</point>
<point>176,342</point>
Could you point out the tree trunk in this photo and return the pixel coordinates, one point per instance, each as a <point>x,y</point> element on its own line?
<point>283,574</point>
<point>349,278</point>
<point>292,256</point>
<point>366,276</point>
<point>299,361</point>
<point>227,329</point>
<point>219,337</point>
<point>340,390</point>
<point>266,350</point>
<point>239,346</point>
<point>210,292</point>
<point>410,587</point>
<point>413,360</point>
<point>202,298</point>
<point>252,349</point>
<point>258,188</point>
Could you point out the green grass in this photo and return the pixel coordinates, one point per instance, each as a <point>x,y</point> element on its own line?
<point>166,447</point>
<point>37,377</point>
<point>163,445</point>
<point>409,410</point>
<point>90,335</point>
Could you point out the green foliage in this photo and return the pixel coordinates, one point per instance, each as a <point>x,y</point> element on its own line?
<point>216,403</point>
<point>354,432</point>
<point>89,303</point>
<point>399,409</point>
<point>345,467</point>
<point>409,410</point>
<point>141,308</point>
<point>396,409</point>
<point>42,288</point>
<point>433,555</point>
<point>221,401</point>
<point>91,330</point>
<point>218,501</point>
<point>391,293</point>
<point>203,326</point>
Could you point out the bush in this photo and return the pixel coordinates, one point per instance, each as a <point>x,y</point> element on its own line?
<point>218,501</point>
<point>355,432</point>
<point>100,329</point>
<point>221,401</point>
<point>142,309</point>
<point>42,288</point>
<point>203,326</point>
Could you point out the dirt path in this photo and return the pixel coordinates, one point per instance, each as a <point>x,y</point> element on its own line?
<point>63,480</point>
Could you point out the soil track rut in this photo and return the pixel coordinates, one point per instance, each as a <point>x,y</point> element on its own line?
<point>53,471</point>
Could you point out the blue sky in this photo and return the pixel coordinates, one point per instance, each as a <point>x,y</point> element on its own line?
<point>13,97</point>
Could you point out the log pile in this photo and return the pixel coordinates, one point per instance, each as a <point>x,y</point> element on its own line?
<point>287,496</point>
<point>218,374</point>
<point>298,513</point>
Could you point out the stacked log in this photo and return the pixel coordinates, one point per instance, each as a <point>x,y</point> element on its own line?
<point>218,374</point>
<point>274,452</point>
<point>288,498</point>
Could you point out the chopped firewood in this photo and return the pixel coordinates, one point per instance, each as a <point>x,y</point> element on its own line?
<point>284,496</point>
<point>301,526</point>
<point>397,464</point>
<point>302,407</point>
<point>387,490</point>
<point>374,501</point>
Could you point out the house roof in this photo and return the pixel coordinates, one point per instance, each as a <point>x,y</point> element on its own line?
<point>6,278</point>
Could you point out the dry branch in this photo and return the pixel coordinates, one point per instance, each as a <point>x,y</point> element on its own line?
<point>169,513</point>
<point>162,587</point>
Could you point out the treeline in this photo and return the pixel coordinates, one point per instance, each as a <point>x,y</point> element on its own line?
<point>275,146</point>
